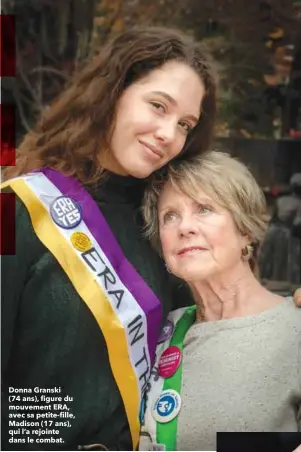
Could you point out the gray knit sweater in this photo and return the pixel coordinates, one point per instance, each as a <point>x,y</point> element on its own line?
<point>239,375</point>
<point>242,375</point>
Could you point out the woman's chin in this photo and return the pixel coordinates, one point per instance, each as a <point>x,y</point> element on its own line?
<point>193,275</point>
<point>141,172</point>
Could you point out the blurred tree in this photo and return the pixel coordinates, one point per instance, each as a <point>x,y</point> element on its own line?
<point>249,40</point>
<point>256,41</point>
<point>52,38</point>
<point>256,45</point>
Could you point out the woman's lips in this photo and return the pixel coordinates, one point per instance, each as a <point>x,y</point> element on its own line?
<point>152,150</point>
<point>190,250</point>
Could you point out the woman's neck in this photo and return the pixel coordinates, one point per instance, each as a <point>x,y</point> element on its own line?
<point>235,294</point>
<point>107,161</point>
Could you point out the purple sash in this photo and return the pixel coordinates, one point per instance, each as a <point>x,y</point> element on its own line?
<point>101,231</point>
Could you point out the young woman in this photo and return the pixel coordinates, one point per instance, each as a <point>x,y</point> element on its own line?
<point>84,296</point>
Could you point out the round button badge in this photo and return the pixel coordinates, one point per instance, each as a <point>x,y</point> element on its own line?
<point>169,361</point>
<point>80,241</point>
<point>66,212</point>
<point>167,406</point>
<point>166,332</point>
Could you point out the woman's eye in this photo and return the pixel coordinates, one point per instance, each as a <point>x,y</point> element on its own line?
<point>169,216</point>
<point>205,209</point>
<point>159,106</point>
<point>187,127</point>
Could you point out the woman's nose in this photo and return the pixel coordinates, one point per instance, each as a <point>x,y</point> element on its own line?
<point>166,132</point>
<point>187,226</point>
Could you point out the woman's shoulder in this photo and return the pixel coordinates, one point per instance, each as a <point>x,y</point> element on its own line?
<point>280,307</point>
<point>13,209</point>
<point>286,317</point>
<point>18,227</point>
<point>292,309</point>
<point>284,310</point>
<point>294,314</point>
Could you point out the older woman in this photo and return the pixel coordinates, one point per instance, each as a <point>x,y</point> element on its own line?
<point>232,362</point>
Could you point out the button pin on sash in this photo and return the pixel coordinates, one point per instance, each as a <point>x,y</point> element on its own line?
<point>169,361</point>
<point>166,332</point>
<point>167,406</point>
<point>66,212</point>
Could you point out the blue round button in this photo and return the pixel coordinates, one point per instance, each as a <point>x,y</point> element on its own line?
<point>66,212</point>
<point>167,406</point>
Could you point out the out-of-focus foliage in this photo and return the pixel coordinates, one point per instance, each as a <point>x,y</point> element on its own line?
<point>257,45</point>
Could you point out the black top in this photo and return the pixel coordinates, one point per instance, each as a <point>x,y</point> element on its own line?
<point>50,337</point>
<point>258,442</point>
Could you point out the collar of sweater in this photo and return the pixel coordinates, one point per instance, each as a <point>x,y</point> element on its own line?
<point>112,188</point>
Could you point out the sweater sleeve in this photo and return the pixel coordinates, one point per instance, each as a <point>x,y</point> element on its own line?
<point>15,272</point>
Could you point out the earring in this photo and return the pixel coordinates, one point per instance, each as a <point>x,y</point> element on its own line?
<point>247,252</point>
<point>167,268</point>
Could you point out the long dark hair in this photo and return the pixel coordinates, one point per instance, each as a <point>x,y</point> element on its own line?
<point>71,132</point>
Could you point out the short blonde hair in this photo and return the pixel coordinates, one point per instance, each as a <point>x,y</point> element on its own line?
<point>226,180</point>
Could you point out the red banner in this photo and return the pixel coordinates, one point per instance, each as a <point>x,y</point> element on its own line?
<point>7,224</point>
<point>7,45</point>
<point>8,135</point>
